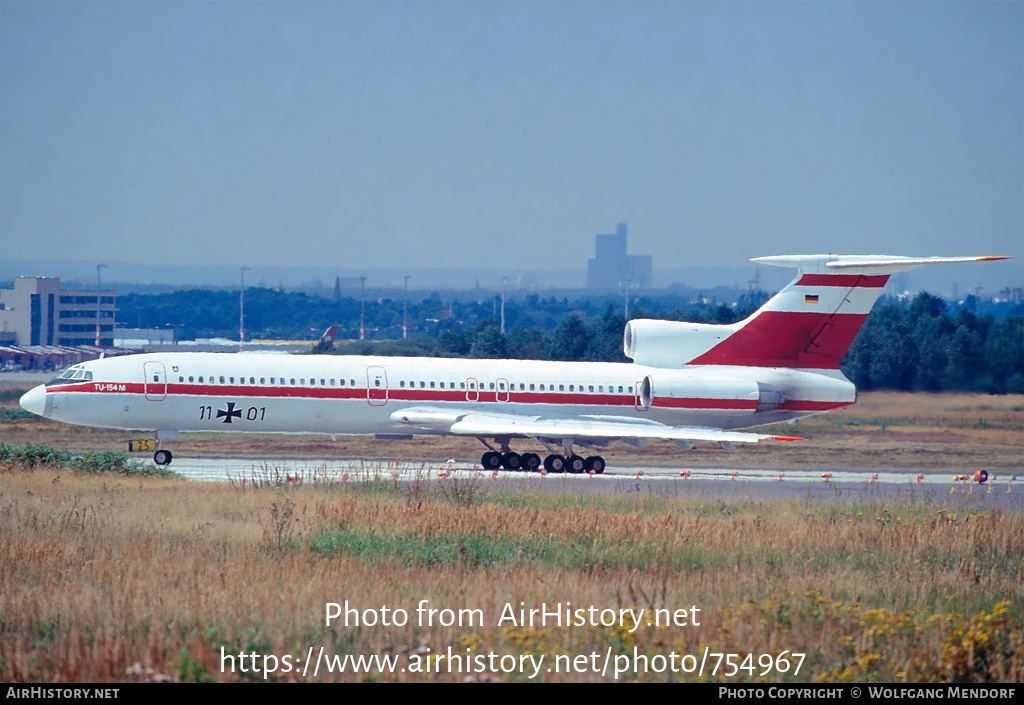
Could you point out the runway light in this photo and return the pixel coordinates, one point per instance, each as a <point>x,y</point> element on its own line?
<point>292,479</point>
<point>543,473</point>
<point>442,475</point>
<point>591,473</point>
<point>639,473</point>
<point>874,477</point>
<point>826,476</point>
<point>920,477</point>
<point>780,477</point>
<point>494,475</point>
<point>685,474</point>
<point>734,474</point>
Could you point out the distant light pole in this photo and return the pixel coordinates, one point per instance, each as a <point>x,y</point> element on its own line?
<point>405,310</point>
<point>503,305</point>
<point>241,311</point>
<point>98,299</point>
<point>362,308</point>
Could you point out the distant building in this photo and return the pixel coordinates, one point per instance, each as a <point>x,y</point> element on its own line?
<point>142,337</point>
<point>611,267</point>
<point>37,312</point>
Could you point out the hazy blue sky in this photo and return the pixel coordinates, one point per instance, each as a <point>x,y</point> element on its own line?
<point>506,134</point>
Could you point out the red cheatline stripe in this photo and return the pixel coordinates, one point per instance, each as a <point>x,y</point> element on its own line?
<point>844,280</point>
<point>437,396</point>
<point>695,403</point>
<point>788,438</point>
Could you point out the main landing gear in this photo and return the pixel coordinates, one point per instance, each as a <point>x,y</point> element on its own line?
<point>530,462</point>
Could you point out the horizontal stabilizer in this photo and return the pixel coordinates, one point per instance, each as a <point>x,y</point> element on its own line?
<point>863,264</point>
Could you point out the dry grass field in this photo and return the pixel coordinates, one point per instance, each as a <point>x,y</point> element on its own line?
<point>113,578</point>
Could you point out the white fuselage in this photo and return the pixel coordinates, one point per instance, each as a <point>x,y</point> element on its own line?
<point>335,394</point>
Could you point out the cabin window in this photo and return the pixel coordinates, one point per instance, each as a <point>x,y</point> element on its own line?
<point>402,383</point>
<point>341,382</point>
<point>531,387</point>
<point>332,381</point>
<point>263,380</point>
<point>376,382</point>
<point>591,387</point>
<point>442,385</point>
<point>542,387</point>
<point>492,385</point>
<point>293,380</point>
<point>571,388</point>
<point>322,382</point>
<point>352,382</point>
<point>431,385</point>
<point>423,385</point>
<point>501,386</point>
<point>630,389</point>
<point>190,379</point>
<point>462,385</point>
<point>600,388</point>
<point>222,379</point>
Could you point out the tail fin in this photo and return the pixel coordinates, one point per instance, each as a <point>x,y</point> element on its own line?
<point>811,323</point>
<point>330,335</point>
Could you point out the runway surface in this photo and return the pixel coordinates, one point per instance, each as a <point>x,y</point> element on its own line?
<point>826,485</point>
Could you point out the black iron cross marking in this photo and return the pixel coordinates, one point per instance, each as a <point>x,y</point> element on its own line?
<point>230,413</point>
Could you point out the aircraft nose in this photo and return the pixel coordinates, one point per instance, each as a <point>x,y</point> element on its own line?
<point>34,400</point>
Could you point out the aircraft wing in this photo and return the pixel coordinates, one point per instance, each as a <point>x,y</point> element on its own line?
<point>579,428</point>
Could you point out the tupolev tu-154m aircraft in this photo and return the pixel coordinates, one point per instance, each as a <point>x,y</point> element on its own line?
<point>688,382</point>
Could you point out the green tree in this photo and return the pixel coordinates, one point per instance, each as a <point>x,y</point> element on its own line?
<point>570,340</point>
<point>606,337</point>
<point>526,343</point>
<point>487,340</point>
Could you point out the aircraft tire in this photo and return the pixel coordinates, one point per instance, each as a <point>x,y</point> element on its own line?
<point>595,463</point>
<point>531,462</point>
<point>162,457</point>
<point>554,463</point>
<point>575,464</point>
<point>491,460</point>
<point>512,461</point>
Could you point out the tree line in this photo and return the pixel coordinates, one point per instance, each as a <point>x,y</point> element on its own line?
<point>918,345</point>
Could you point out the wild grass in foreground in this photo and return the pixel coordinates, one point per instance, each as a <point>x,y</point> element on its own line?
<point>110,578</point>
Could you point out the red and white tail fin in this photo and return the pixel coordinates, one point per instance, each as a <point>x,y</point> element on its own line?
<point>810,324</point>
